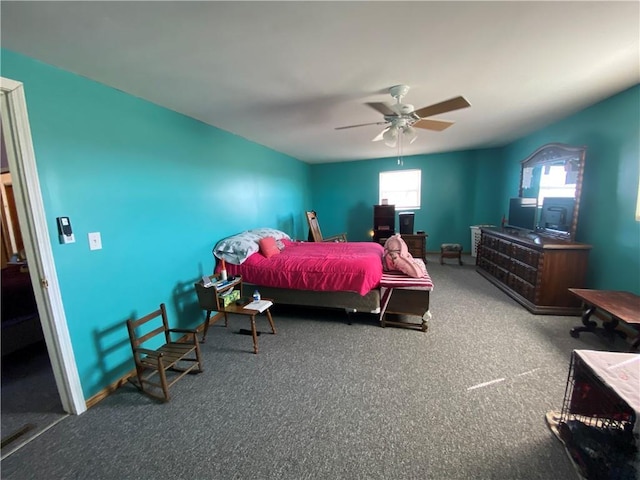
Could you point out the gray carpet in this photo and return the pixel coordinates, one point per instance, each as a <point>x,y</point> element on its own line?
<point>338,397</point>
<point>30,400</point>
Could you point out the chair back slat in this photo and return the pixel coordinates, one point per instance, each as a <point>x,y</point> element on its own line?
<point>140,340</point>
<point>145,319</point>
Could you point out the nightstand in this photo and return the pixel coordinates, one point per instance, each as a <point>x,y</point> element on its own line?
<point>209,299</point>
<point>417,244</point>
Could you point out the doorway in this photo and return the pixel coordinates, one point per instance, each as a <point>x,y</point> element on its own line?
<point>38,254</point>
<point>30,400</point>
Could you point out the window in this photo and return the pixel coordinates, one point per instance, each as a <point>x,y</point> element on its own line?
<point>401,188</point>
<point>555,181</point>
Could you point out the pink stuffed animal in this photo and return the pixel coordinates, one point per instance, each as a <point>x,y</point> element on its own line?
<point>397,257</point>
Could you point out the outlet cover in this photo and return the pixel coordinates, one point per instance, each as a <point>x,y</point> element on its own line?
<point>95,242</point>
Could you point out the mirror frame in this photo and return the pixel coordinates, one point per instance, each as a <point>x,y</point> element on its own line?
<point>551,154</point>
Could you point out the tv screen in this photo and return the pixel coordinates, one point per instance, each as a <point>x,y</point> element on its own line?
<point>557,213</point>
<point>522,213</point>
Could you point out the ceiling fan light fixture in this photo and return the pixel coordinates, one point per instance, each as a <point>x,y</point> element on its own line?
<point>390,137</point>
<point>410,134</point>
<point>400,118</point>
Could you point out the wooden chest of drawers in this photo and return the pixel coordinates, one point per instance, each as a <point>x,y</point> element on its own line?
<point>534,270</point>
<point>417,244</point>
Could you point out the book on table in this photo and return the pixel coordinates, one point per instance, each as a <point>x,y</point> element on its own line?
<point>259,305</point>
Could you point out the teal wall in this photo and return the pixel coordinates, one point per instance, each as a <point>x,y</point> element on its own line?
<point>161,188</point>
<point>611,132</point>
<point>458,190</point>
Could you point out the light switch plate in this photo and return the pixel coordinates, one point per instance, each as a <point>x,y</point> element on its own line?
<point>95,242</point>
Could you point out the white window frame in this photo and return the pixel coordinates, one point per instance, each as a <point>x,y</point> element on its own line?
<point>402,188</point>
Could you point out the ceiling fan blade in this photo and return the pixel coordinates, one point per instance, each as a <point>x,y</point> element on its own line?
<point>380,135</point>
<point>361,125</point>
<point>383,108</point>
<point>437,125</point>
<point>442,107</point>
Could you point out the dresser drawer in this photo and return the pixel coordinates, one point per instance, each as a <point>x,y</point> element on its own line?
<point>416,245</point>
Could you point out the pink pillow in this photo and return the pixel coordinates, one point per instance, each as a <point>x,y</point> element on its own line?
<point>268,247</point>
<point>408,267</point>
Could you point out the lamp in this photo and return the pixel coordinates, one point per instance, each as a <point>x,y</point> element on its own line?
<point>397,134</point>
<point>390,136</point>
<point>410,134</point>
<point>400,130</point>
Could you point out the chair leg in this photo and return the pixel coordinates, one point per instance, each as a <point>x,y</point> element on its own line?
<point>163,380</point>
<point>139,375</point>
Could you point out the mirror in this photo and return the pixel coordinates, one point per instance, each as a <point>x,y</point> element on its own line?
<point>553,175</point>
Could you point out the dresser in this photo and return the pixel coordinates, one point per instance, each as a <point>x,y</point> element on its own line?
<point>417,244</point>
<point>535,270</point>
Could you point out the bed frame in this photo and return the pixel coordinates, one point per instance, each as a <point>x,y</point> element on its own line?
<point>350,301</point>
<point>405,300</point>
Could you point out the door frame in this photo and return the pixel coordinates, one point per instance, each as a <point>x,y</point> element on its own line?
<point>37,244</point>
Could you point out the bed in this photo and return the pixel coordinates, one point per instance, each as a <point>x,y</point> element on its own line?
<point>343,275</point>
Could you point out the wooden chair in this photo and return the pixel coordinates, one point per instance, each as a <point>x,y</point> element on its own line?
<point>315,235</point>
<point>168,356</point>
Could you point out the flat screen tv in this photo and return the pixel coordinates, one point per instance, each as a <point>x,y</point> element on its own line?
<point>556,214</point>
<point>522,213</point>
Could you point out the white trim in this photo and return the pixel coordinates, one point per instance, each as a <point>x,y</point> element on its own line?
<point>33,225</point>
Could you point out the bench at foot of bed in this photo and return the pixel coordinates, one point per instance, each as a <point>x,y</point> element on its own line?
<point>404,295</point>
<point>422,326</point>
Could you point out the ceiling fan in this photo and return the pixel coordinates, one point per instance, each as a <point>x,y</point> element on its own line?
<point>402,119</point>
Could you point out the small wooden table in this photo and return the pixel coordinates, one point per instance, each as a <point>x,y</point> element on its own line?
<point>209,300</point>
<point>240,310</point>
<point>619,306</point>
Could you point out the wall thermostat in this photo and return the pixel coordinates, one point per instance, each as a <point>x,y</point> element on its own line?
<point>65,234</point>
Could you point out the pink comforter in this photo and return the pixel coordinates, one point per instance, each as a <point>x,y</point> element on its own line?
<point>322,266</point>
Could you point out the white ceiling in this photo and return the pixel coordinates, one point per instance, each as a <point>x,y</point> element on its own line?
<point>285,74</point>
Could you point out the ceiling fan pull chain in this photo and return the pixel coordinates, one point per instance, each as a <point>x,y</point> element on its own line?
<point>400,135</point>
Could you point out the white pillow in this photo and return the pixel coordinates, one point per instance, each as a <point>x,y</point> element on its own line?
<point>237,248</point>
<point>270,232</point>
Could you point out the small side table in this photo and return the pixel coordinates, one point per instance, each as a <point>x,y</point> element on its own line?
<point>240,310</point>
<point>210,301</point>
<point>417,244</point>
